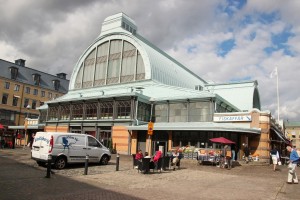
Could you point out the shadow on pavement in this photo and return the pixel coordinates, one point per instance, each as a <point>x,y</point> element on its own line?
<point>21,181</point>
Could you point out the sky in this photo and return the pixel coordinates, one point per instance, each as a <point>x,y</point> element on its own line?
<point>222,41</point>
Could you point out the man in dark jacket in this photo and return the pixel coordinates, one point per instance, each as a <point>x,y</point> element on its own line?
<point>247,153</point>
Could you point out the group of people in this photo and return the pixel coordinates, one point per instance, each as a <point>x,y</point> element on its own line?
<point>158,154</point>
<point>294,159</point>
<point>139,156</point>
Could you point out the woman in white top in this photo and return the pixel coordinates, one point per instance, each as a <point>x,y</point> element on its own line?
<point>275,157</point>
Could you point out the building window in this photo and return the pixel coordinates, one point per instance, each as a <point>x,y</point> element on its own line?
<point>53,113</point>
<point>123,109</point>
<point>178,112</point>
<point>4,98</point>
<point>43,93</point>
<point>41,103</point>
<point>77,111</point>
<point>15,101</point>
<point>27,90</point>
<point>17,88</point>
<point>56,84</point>
<point>64,112</point>
<point>56,96</point>
<point>161,113</point>
<point>35,91</point>
<point>36,79</point>
<point>144,111</point>
<point>120,55</point>
<point>33,104</point>
<point>106,110</point>
<point>198,87</point>
<point>200,112</point>
<point>43,116</point>
<point>7,85</point>
<point>26,103</point>
<point>49,95</point>
<point>91,111</point>
<point>13,73</point>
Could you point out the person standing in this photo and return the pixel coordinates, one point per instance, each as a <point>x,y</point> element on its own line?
<point>247,153</point>
<point>31,140</point>
<point>275,157</point>
<point>294,159</point>
<point>233,152</point>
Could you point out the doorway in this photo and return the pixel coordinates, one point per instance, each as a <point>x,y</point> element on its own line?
<point>160,146</point>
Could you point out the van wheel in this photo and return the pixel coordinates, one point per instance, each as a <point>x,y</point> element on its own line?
<point>60,163</point>
<point>104,160</point>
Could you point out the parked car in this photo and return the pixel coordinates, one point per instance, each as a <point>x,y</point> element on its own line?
<point>67,148</point>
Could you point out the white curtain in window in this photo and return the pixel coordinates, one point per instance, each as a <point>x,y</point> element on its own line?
<point>140,64</point>
<point>79,77</point>
<point>128,62</point>
<point>88,74</point>
<point>114,60</point>
<point>101,63</point>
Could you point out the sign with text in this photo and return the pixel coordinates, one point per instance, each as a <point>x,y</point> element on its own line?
<point>150,128</point>
<point>233,118</point>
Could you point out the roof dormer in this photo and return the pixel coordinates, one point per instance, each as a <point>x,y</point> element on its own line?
<point>14,72</point>
<point>118,23</point>
<point>56,84</point>
<point>36,78</point>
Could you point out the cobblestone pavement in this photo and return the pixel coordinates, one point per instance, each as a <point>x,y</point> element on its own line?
<point>22,178</point>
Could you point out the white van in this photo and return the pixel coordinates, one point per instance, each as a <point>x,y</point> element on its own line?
<point>68,148</point>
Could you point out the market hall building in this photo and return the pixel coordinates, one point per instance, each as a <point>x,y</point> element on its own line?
<point>122,81</point>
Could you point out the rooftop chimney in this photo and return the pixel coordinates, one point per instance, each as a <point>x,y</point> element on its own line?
<point>20,62</point>
<point>62,75</point>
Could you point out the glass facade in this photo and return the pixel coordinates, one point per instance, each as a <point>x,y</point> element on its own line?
<point>104,110</point>
<point>123,109</point>
<point>201,111</point>
<point>200,139</point>
<point>91,110</point>
<point>144,111</point>
<point>112,62</point>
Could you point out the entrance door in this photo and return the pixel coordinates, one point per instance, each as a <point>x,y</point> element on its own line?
<point>105,138</point>
<point>160,145</point>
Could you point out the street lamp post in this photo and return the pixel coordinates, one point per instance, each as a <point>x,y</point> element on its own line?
<point>26,124</point>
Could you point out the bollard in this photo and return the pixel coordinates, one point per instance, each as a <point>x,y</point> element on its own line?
<point>49,166</point>
<point>86,165</point>
<point>117,162</point>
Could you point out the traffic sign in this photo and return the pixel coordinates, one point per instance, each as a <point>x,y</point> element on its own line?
<point>150,128</point>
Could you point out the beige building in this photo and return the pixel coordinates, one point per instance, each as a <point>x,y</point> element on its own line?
<point>23,89</point>
<point>292,131</point>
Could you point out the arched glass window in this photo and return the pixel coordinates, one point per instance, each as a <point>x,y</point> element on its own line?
<point>79,77</point>
<point>114,62</point>
<point>101,64</point>
<point>128,62</point>
<point>140,68</point>
<point>88,75</point>
<point>111,62</point>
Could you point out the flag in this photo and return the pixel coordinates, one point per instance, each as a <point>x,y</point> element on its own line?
<point>274,73</point>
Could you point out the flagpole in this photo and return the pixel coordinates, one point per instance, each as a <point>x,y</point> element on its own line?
<point>277,95</point>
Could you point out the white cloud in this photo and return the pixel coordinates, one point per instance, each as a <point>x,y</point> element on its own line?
<point>51,35</point>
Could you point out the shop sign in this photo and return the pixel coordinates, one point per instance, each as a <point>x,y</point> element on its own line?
<point>233,118</point>
<point>150,128</point>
